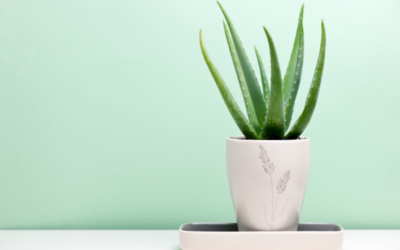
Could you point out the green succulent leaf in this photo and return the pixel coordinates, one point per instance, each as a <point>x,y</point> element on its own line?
<point>264,79</point>
<point>248,72</point>
<point>305,117</point>
<point>230,102</point>
<point>291,81</point>
<point>243,86</point>
<point>274,125</point>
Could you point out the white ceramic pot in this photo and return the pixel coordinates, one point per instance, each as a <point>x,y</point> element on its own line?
<point>268,181</point>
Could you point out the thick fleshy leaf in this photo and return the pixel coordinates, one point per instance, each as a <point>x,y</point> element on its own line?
<point>264,79</point>
<point>305,117</point>
<point>243,86</point>
<point>230,102</point>
<point>248,72</point>
<point>291,81</point>
<point>274,125</point>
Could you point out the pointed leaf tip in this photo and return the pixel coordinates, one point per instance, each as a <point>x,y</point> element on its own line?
<point>274,124</point>
<point>249,76</point>
<point>230,102</point>
<point>264,79</point>
<point>305,117</point>
<point>201,36</point>
<point>265,29</point>
<point>292,78</point>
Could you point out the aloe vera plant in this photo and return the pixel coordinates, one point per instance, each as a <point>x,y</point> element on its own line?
<point>269,110</point>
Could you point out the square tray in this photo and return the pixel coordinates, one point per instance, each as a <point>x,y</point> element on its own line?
<point>225,236</point>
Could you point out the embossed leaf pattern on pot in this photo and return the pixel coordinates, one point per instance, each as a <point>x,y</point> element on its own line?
<point>269,168</point>
<point>268,165</point>
<point>282,183</point>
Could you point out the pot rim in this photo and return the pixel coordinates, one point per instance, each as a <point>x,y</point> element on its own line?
<point>243,139</point>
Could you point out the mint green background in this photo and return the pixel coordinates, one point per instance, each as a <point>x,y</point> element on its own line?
<point>109,118</point>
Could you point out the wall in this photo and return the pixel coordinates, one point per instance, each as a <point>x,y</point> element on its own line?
<point>109,118</point>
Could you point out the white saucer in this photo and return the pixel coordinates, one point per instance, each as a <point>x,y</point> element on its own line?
<point>225,236</point>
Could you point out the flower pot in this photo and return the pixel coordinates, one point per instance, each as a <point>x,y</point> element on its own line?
<point>268,181</point>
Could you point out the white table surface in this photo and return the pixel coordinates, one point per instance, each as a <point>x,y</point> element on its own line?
<point>157,239</point>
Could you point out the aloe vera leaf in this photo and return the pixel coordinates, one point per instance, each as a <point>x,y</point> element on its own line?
<point>264,79</point>
<point>236,113</point>
<point>243,86</point>
<point>248,72</point>
<point>305,117</point>
<point>291,81</point>
<point>274,125</point>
